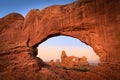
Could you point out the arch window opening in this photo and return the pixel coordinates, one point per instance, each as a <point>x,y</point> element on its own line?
<point>52,49</point>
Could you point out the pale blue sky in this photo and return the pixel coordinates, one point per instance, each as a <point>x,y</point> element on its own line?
<point>52,46</point>
<point>24,6</point>
<point>64,41</point>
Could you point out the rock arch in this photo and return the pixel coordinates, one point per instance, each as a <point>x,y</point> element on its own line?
<point>85,21</point>
<point>95,22</point>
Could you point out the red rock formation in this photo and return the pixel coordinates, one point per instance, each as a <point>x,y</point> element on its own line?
<point>83,61</point>
<point>52,63</point>
<point>90,21</point>
<point>57,62</point>
<point>63,56</point>
<point>95,22</point>
<point>72,61</point>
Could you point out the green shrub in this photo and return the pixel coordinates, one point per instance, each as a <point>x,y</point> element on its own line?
<point>82,69</point>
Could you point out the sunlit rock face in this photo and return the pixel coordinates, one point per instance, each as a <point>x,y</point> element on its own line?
<point>63,56</point>
<point>95,22</point>
<point>69,62</point>
<point>73,61</point>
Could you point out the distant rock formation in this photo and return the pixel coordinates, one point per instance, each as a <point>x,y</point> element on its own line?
<point>83,61</point>
<point>57,61</point>
<point>55,64</point>
<point>63,56</point>
<point>52,63</point>
<point>69,61</point>
<point>72,60</point>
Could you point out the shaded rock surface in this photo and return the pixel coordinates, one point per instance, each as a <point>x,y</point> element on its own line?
<point>94,22</point>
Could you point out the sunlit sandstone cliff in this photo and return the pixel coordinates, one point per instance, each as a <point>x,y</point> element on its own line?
<point>95,22</point>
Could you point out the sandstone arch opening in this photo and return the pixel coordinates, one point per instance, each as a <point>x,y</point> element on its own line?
<point>52,48</point>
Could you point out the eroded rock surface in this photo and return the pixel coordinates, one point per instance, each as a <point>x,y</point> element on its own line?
<point>73,61</point>
<point>70,62</point>
<point>91,21</point>
<point>63,56</point>
<point>95,22</point>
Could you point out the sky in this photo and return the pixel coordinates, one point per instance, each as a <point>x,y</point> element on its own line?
<point>24,6</point>
<point>52,48</point>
